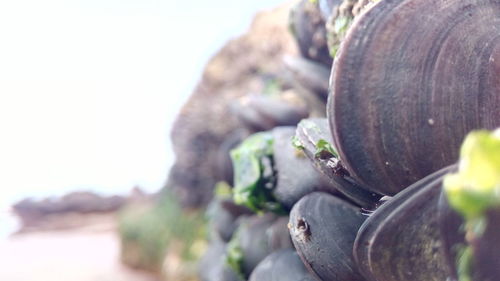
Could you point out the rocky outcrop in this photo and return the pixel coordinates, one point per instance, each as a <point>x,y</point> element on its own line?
<point>248,64</point>
<point>75,209</point>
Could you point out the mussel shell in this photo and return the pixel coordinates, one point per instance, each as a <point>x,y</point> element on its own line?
<point>412,78</point>
<point>279,237</point>
<point>224,165</point>
<point>257,241</point>
<point>323,229</point>
<point>223,215</point>
<point>213,267</point>
<point>452,234</point>
<point>309,29</point>
<point>309,74</point>
<point>262,113</point>
<point>296,175</point>
<point>401,239</point>
<point>309,132</point>
<point>278,110</point>
<point>283,265</point>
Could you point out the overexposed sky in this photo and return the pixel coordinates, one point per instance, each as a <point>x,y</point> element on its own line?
<point>89,88</point>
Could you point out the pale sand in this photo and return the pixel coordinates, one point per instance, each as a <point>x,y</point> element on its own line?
<point>72,255</point>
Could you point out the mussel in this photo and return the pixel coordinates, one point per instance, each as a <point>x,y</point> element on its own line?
<point>401,241</point>
<point>309,30</point>
<point>283,265</point>
<point>223,215</point>
<point>452,235</point>
<point>412,78</point>
<point>213,266</point>
<point>257,237</point>
<point>262,113</point>
<point>224,166</point>
<point>296,176</point>
<point>323,229</point>
<point>314,139</point>
<point>310,75</point>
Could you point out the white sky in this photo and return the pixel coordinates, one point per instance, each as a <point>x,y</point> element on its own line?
<point>89,88</point>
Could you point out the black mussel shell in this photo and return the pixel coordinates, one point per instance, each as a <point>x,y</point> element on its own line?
<point>208,262</point>
<point>223,215</point>
<point>213,266</point>
<point>224,165</point>
<point>250,117</point>
<point>256,241</point>
<point>323,229</point>
<point>262,113</point>
<point>309,29</point>
<point>283,265</point>
<point>401,241</point>
<point>279,110</point>
<point>279,237</point>
<point>452,234</point>
<point>308,134</point>
<point>411,79</point>
<point>296,176</point>
<point>309,74</point>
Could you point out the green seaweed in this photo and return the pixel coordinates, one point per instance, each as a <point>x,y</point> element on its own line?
<point>297,143</point>
<point>339,30</point>
<point>325,150</point>
<point>476,186</point>
<point>234,256</point>
<point>223,190</point>
<point>254,176</point>
<point>464,264</point>
<point>474,189</point>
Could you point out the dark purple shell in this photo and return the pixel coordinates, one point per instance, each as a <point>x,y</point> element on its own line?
<point>323,229</point>
<point>309,132</point>
<point>297,176</point>
<point>309,29</point>
<point>213,266</point>
<point>412,78</point>
<point>401,240</point>
<point>309,75</point>
<point>223,165</point>
<point>224,216</point>
<point>452,234</point>
<point>262,113</point>
<point>258,236</point>
<point>283,265</point>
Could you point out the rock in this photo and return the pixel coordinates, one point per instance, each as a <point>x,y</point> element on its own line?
<point>206,120</point>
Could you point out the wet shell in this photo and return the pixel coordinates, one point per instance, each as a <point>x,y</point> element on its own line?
<point>401,240</point>
<point>213,267</point>
<point>309,29</point>
<point>284,265</point>
<point>296,175</point>
<point>309,132</point>
<point>258,236</point>
<point>323,229</point>
<point>413,77</point>
<point>262,113</point>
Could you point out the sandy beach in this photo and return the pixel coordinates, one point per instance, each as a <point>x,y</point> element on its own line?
<point>87,254</point>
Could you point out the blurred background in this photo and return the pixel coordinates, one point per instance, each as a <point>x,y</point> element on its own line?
<point>89,91</point>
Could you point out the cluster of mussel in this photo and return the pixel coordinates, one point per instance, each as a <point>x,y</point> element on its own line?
<point>376,190</point>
